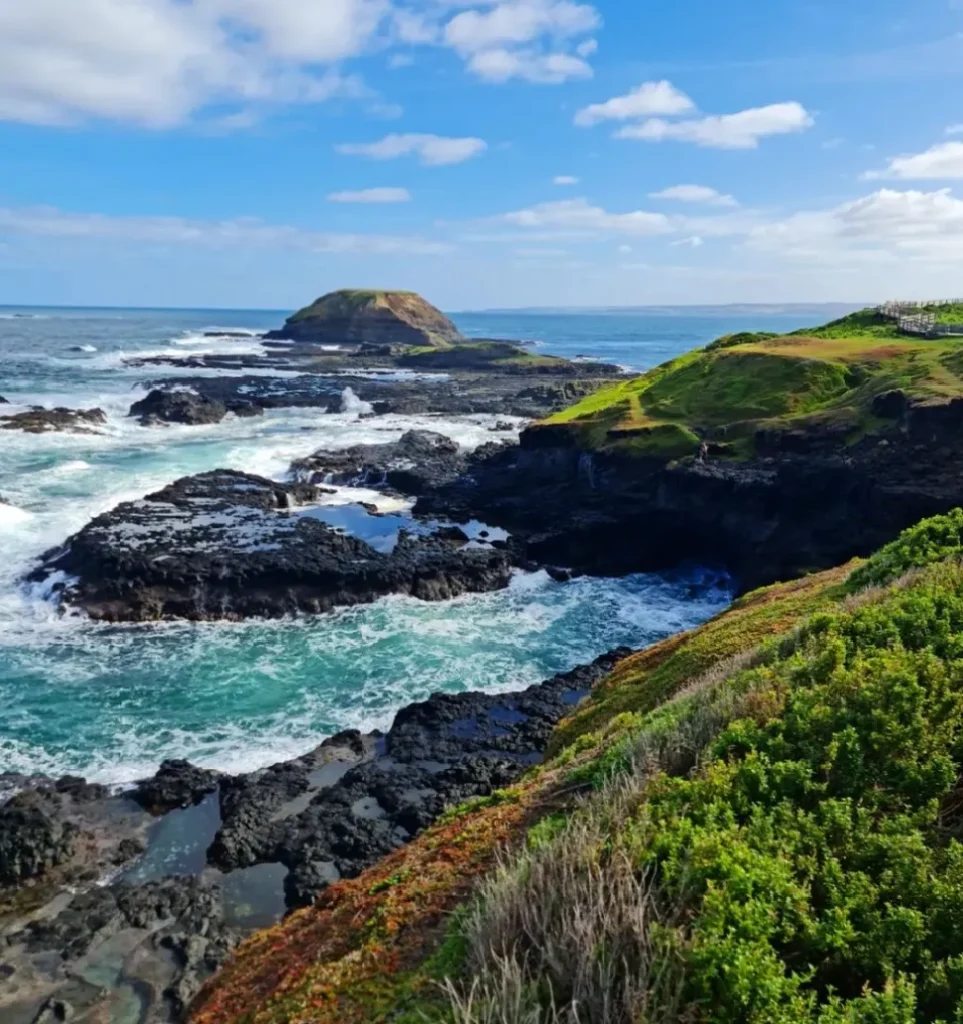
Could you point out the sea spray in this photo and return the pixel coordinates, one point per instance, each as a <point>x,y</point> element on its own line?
<point>350,403</point>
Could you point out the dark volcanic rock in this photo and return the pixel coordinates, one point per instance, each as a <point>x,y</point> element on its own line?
<point>811,501</point>
<point>38,420</point>
<point>163,940</point>
<point>177,407</point>
<point>231,545</point>
<point>437,753</point>
<point>32,840</point>
<point>418,460</point>
<point>3,401</point>
<point>176,784</point>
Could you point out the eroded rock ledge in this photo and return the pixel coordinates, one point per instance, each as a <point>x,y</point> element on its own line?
<point>230,545</point>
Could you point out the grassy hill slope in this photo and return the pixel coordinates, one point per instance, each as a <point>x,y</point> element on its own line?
<point>828,376</point>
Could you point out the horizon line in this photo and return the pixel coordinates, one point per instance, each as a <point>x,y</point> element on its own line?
<point>483,309</point>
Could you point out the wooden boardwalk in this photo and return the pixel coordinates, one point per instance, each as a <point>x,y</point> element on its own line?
<point>916,318</point>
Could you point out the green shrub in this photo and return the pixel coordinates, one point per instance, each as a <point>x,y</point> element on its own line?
<point>932,540</point>
<point>817,853</point>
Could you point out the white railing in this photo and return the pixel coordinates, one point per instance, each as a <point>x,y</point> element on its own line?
<point>911,318</point>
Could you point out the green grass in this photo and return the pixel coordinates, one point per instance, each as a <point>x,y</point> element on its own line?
<point>345,302</point>
<point>824,376</point>
<point>480,355</point>
<point>949,314</point>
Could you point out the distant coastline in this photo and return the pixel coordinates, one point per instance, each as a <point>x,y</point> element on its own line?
<point>710,309</point>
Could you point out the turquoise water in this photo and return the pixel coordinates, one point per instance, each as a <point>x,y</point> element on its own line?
<point>110,702</point>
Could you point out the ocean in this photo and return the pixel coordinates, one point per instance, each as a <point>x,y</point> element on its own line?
<point>111,702</point>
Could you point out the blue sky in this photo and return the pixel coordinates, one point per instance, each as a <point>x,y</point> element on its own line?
<point>524,152</point>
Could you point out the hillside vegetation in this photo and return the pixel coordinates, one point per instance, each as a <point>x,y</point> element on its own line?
<point>827,376</point>
<point>758,822</point>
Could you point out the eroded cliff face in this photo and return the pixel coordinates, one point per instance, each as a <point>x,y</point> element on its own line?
<point>806,501</point>
<point>370,318</point>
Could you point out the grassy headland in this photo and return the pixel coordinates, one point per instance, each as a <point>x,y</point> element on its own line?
<point>742,383</point>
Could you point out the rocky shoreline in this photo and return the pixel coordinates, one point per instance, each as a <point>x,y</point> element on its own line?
<point>806,500</point>
<point>231,545</point>
<point>119,906</point>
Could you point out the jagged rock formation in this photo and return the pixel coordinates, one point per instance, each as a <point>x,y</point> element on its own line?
<point>229,545</point>
<point>354,317</point>
<point>419,460</point>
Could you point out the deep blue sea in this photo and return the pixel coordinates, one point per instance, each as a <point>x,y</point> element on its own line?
<point>110,702</point>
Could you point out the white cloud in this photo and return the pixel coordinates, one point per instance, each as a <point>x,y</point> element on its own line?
<point>954,129</point>
<point>564,179</point>
<point>625,248</point>
<point>940,162</point>
<point>742,130</point>
<point>500,66</point>
<point>885,226</point>
<point>532,40</point>
<point>246,233</point>
<point>161,63</point>
<point>647,100</point>
<point>693,242</point>
<point>579,215</point>
<point>400,60</point>
<point>158,62</point>
<point>431,150</point>
<point>372,195</point>
<point>694,194</point>
<point>518,22</point>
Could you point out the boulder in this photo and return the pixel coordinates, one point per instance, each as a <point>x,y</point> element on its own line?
<point>176,784</point>
<point>32,840</point>
<point>419,460</point>
<point>177,407</point>
<point>370,318</point>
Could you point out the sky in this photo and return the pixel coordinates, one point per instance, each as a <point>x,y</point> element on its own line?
<point>486,153</point>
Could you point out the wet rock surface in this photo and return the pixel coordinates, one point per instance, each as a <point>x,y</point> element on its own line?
<point>230,545</point>
<point>808,499</point>
<point>38,420</point>
<point>187,407</point>
<point>139,947</point>
<point>389,391</point>
<point>419,460</point>
<point>32,840</point>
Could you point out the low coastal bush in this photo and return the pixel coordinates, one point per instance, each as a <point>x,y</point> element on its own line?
<point>808,868</point>
<point>932,540</point>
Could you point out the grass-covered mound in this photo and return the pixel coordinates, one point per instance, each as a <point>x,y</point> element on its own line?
<point>358,316</point>
<point>758,822</point>
<point>826,377</point>
<point>484,355</point>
